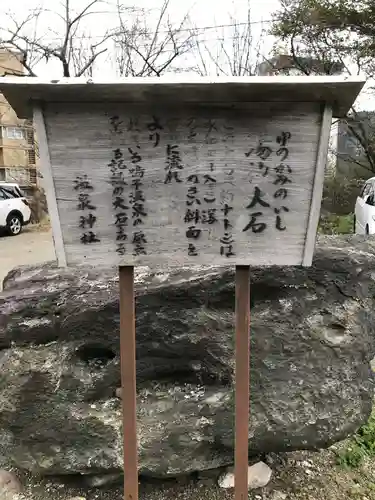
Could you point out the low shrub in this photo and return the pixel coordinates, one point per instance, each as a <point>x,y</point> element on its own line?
<point>360,446</point>
<point>340,194</point>
<point>336,224</point>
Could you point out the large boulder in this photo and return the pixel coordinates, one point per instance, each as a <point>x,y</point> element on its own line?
<point>312,340</point>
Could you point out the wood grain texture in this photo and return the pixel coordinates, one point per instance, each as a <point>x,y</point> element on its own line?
<point>82,141</point>
<point>128,382</point>
<point>317,193</point>
<point>338,91</point>
<point>48,184</point>
<point>242,387</point>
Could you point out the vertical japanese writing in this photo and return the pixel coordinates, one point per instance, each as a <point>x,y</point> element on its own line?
<point>193,203</point>
<point>211,132</point>
<point>211,137</point>
<point>262,153</point>
<point>173,164</point>
<point>258,203</point>
<point>228,139</point>
<point>116,124</point>
<point>192,127</point>
<point>154,128</point>
<point>117,170</point>
<point>193,214</point>
<point>117,180</point>
<point>209,215</point>
<point>227,241</point>
<point>192,135</point>
<point>282,180</point>
<point>87,220</point>
<point>137,201</point>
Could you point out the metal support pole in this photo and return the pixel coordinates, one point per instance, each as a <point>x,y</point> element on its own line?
<point>128,381</point>
<point>242,381</point>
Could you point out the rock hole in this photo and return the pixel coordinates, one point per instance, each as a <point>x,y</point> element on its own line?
<point>95,354</point>
<point>337,326</point>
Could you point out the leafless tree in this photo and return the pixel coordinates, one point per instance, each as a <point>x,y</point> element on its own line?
<point>146,50</point>
<point>75,52</point>
<point>235,51</point>
<point>330,38</point>
<point>138,45</point>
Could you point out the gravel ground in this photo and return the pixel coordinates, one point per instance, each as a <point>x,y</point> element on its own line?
<point>297,476</point>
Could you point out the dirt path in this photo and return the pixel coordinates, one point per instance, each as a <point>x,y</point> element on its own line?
<point>296,476</point>
<point>32,246</point>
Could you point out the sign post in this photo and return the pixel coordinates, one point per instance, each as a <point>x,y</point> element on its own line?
<point>242,381</point>
<point>162,172</point>
<point>128,381</point>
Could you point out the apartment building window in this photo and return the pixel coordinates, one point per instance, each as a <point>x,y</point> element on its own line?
<point>16,133</point>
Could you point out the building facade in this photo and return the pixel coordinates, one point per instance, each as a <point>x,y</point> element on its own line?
<point>287,65</point>
<point>18,150</point>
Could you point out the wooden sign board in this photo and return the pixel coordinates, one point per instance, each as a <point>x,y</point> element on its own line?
<point>160,172</point>
<point>182,178</point>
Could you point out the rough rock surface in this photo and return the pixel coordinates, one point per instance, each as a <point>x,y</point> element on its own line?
<point>311,384</point>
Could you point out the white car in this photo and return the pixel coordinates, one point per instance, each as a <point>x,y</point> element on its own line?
<point>365,209</point>
<point>14,208</point>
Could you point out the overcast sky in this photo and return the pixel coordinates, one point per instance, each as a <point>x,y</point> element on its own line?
<point>205,14</point>
<point>202,13</point>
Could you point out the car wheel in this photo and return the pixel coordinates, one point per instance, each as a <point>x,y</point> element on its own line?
<point>14,224</point>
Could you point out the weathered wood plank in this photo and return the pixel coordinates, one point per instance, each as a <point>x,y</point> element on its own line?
<point>317,193</point>
<point>48,183</point>
<point>338,91</point>
<point>211,143</point>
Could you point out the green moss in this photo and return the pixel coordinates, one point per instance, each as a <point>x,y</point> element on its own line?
<point>360,446</point>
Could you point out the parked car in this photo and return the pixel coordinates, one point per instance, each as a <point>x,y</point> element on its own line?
<point>14,208</point>
<point>365,209</point>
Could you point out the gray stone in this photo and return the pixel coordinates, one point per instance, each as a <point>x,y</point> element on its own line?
<point>258,476</point>
<point>311,345</point>
<point>98,481</point>
<point>9,485</point>
<point>278,495</point>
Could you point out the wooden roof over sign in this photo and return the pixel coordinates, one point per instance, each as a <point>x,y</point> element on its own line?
<point>339,92</point>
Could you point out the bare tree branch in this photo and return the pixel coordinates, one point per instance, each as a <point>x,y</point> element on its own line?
<point>75,52</point>
<point>90,62</point>
<point>235,51</point>
<point>143,51</point>
<point>156,32</point>
<point>136,47</point>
